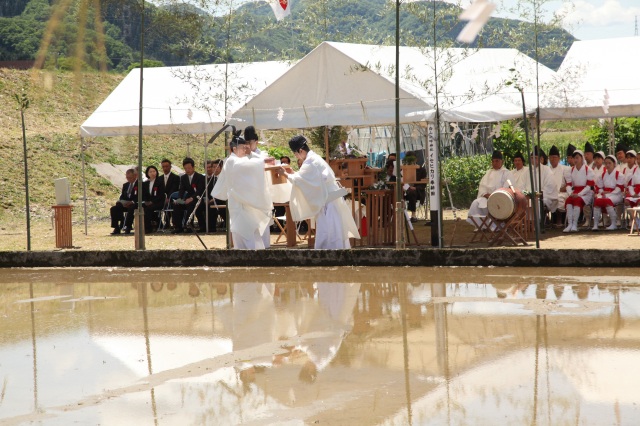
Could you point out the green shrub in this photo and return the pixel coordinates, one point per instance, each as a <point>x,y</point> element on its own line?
<point>511,141</point>
<point>463,175</point>
<point>148,63</point>
<point>278,152</point>
<point>626,130</point>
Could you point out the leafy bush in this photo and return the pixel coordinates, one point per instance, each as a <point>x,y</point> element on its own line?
<point>511,141</point>
<point>463,175</point>
<point>626,130</point>
<point>278,152</point>
<point>148,63</point>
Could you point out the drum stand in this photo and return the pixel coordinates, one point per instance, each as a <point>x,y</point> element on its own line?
<point>509,230</point>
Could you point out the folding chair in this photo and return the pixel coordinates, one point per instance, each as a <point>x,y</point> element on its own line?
<point>483,228</point>
<point>633,211</point>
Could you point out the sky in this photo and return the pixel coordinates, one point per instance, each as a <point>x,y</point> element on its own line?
<point>587,19</point>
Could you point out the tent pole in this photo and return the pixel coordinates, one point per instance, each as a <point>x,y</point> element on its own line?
<point>206,185</point>
<point>84,184</point>
<point>326,143</point>
<point>399,211</point>
<point>139,227</point>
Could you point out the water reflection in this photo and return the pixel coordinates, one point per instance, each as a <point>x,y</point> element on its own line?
<point>415,346</point>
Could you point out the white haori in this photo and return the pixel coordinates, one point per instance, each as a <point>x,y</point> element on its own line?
<point>633,179</point>
<point>613,181</point>
<point>242,183</point>
<point>548,185</point>
<point>491,181</point>
<point>583,177</point>
<point>315,194</point>
<point>520,179</point>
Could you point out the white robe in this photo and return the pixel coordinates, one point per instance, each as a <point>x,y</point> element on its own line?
<point>548,185</point>
<point>581,178</point>
<point>610,185</point>
<point>520,179</point>
<point>242,182</point>
<point>632,182</point>
<point>315,194</point>
<point>491,181</point>
<point>559,174</point>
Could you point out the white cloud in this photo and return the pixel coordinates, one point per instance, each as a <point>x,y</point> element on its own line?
<point>605,13</point>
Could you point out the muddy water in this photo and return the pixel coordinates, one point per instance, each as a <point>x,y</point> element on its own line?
<point>421,346</point>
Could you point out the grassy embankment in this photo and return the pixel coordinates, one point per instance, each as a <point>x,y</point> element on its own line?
<point>53,138</point>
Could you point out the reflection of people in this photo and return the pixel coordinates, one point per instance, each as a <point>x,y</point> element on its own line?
<point>333,318</point>
<point>242,184</point>
<point>495,178</point>
<point>156,286</point>
<point>315,194</point>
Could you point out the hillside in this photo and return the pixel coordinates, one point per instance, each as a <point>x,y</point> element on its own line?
<point>180,35</point>
<point>53,139</point>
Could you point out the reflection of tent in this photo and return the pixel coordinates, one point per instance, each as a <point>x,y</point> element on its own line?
<point>576,385</point>
<point>354,84</point>
<point>179,100</point>
<point>590,67</point>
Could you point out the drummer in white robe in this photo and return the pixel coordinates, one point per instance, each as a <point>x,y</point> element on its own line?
<point>242,183</point>
<point>609,192</point>
<point>315,194</point>
<point>519,175</point>
<point>495,178</point>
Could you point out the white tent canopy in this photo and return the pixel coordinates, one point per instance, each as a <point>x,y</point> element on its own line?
<point>590,68</point>
<point>354,84</point>
<point>180,100</point>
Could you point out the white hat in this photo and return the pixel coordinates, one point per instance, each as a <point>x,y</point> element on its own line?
<point>632,152</point>
<point>612,158</point>
<point>601,154</point>
<point>578,151</point>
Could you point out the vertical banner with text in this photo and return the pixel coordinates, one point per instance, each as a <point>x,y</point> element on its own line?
<point>434,172</point>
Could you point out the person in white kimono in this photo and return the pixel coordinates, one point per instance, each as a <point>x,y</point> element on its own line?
<point>609,192</point>
<point>276,191</point>
<point>621,152</point>
<point>519,176</point>
<point>632,180</point>
<point>543,181</point>
<point>558,171</point>
<point>243,185</point>
<point>597,165</point>
<point>580,182</point>
<point>315,194</point>
<point>589,155</point>
<point>495,178</point>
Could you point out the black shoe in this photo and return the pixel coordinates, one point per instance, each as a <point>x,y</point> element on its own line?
<point>414,219</point>
<point>116,231</point>
<point>177,231</point>
<point>188,230</point>
<point>127,231</point>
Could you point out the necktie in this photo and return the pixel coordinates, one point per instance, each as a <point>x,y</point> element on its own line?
<point>129,190</point>
<point>166,178</point>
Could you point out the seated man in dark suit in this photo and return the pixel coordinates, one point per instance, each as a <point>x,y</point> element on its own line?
<point>214,167</point>
<point>126,203</point>
<point>153,197</point>
<point>417,192</point>
<point>170,183</point>
<point>191,187</point>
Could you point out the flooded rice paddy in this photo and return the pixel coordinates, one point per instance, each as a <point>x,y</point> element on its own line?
<point>390,346</point>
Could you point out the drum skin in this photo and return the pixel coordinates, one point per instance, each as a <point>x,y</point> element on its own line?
<point>504,203</point>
